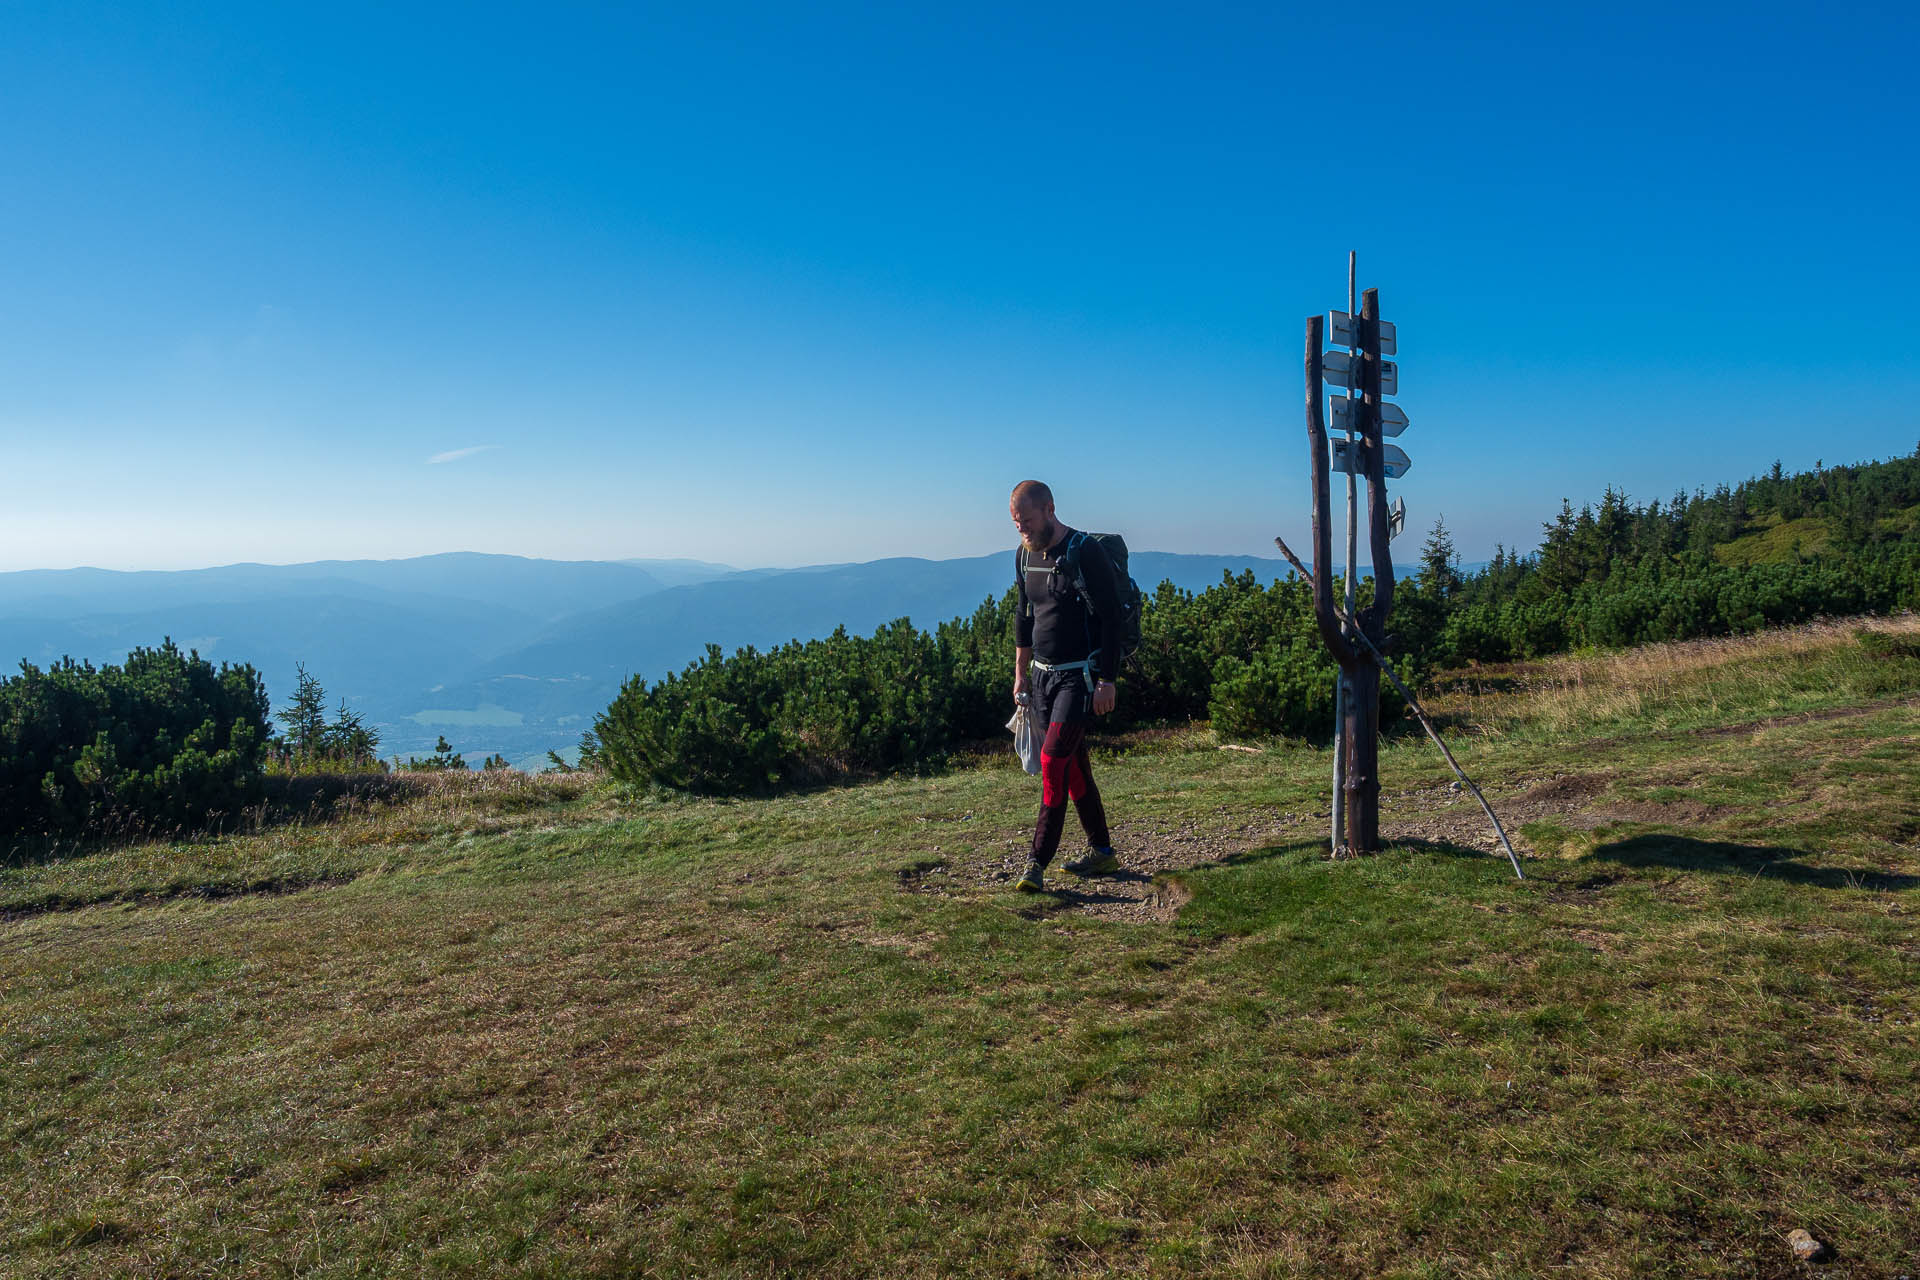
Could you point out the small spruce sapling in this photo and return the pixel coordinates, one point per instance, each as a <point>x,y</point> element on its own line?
<point>305,717</point>
<point>443,757</point>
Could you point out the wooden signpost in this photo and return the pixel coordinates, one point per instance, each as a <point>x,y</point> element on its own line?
<point>1394,460</point>
<point>1392,420</point>
<point>1357,765</point>
<point>1358,638</point>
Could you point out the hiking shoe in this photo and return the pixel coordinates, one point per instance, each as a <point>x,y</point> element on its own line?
<point>1097,861</point>
<point>1033,879</point>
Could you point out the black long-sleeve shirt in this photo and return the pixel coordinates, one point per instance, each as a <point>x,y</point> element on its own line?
<point>1056,623</point>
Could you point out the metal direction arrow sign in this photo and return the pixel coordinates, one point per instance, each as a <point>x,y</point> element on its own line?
<point>1336,368</point>
<point>1392,420</point>
<point>1395,460</point>
<point>1342,326</point>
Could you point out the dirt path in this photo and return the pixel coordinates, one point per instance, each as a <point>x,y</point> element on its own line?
<point>1150,850</point>
<point>1154,851</point>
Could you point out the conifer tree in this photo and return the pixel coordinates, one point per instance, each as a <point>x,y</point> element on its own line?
<point>350,738</point>
<point>1439,565</point>
<point>443,757</point>
<point>305,716</point>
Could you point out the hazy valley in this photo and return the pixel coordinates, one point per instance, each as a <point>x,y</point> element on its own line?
<point>499,653</point>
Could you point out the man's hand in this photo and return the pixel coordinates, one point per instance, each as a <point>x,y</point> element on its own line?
<point>1104,696</point>
<point>1022,685</point>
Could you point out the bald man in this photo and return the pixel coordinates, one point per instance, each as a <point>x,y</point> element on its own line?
<point>1066,658</point>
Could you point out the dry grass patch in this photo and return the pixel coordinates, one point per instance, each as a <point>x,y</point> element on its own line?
<point>1673,684</point>
<point>320,831</point>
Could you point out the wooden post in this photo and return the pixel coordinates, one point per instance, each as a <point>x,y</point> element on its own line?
<point>1325,613</point>
<point>1360,724</point>
<point>1363,716</point>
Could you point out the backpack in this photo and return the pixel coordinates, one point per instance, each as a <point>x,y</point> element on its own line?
<point>1116,549</point>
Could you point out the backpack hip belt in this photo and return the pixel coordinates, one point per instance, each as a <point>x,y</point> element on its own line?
<point>1084,666</point>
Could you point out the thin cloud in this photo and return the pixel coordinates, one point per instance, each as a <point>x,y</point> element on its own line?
<point>452,455</point>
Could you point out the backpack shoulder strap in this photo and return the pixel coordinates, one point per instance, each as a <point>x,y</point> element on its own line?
<point>1069,564</point>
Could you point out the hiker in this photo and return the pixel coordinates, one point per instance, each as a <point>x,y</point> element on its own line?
<point>1067,652</point>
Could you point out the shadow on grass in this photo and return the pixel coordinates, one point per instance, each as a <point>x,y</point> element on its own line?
<point>1317,851</point>
<point>286,800</point>
<point>1065,897</point>
<point>1448,849</point>
<point>1265,853</point>
<point>1688,854</point>
<point>1070,892</point>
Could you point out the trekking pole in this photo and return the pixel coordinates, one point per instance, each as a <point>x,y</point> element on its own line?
<point>1413,704</point>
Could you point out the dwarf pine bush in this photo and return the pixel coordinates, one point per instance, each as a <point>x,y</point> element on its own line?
<point>901,699</point>
<point>161,741</point>
<point>1248,656</point>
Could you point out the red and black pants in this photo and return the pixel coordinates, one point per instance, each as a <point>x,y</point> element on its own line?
<point>1064,702</point>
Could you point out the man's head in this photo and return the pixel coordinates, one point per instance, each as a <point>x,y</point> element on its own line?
<point>1032,510</point>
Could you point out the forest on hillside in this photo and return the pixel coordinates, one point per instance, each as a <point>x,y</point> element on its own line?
<point>1245,655</point>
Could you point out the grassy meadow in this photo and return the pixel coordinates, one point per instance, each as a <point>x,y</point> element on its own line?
<point>493,1025</point>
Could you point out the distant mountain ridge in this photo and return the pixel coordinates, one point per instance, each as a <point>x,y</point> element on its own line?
<point>500,653</point>
<point>540,588</point>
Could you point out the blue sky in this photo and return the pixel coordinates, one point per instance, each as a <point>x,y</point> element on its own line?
<point>791,284</point>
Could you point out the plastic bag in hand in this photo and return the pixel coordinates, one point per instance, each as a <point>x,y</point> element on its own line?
<point>1026,740</point>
